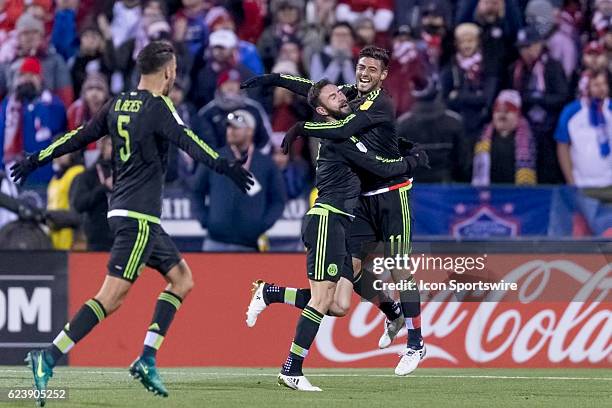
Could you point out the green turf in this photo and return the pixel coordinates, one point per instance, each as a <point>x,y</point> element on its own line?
<point>254,388</point>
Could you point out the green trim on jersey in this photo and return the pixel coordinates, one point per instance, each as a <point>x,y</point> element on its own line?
<point>134,214</point>
<point>48,151</point>
<point>296,78</point>
<point>207,149</point>
<point>333,209</point>
<point>329,125</point>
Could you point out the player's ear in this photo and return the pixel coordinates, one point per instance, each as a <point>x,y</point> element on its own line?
<point>321,111</point>
<point>384,74</point>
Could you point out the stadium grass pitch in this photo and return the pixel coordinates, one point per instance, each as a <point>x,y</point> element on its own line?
<point>254,388</point>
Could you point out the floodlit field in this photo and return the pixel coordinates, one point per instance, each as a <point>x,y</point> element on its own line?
<point>247,388</point>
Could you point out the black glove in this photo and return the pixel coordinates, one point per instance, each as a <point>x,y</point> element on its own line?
<point>417,157</point>
<point>22,169</point>
<point>260,81</point>
<point>236,173</point>
<point>293,133</point>
<point>405,146</point>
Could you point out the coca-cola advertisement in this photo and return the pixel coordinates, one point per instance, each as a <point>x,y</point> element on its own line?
<point>559,315</point>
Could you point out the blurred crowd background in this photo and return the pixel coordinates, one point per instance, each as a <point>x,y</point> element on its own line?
<point>497,91</point>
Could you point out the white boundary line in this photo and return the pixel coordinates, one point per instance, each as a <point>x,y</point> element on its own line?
<point>217,374</point>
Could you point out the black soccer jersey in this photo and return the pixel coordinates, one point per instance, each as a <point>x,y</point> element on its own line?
<point>372,121</point>
<point>336,179</point>
<point>141,126</point>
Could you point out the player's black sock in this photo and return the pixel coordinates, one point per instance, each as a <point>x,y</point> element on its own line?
<point>364,286</point>
<point>166,307</point>
<point>90,314</point>
<point>307,328</point>
<point>291,296</point>
<point>411,308</point>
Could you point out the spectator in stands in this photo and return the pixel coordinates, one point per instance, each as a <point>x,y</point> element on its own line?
<point>439,131</point>
<point>336,61</point>
<point>222,48</point>
<point>380,11</point>
<point>65,169</point>
<point>180,164</point>
<point>468,88</point>
<point>365,33</point>
<point>436,32</point>
<point>594,58</point>
<point>560,31</point>
<point>296,173</point>
<point>88,196</point>
<point>249,16</point>
<point>238,226</point>
<point>218,19</point>
<point>409,12</point>
<point>408,60</point>
<point>320,17</point>
<point>288,107</point>
<point>287,15</point>
<point>30,43</point>
<point>544,90</point>
<point>11,10</point>
<point>291,50</point>
<point>95,54</point>
<point>93,95</point>
<point>30,116</point>
<point>506,151</point>
<point>64,36</point>
<point>211,121</point>
<point>499,21</point>
<point>189,25</point>
<point>584,136</point>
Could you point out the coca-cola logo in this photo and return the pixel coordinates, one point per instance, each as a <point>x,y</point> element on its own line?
<point>577,330</point>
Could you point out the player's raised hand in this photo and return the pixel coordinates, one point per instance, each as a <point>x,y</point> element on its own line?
<point>259,81</point>
<point>293,133</point>
<point>239,175</point>
<point>22,169</point>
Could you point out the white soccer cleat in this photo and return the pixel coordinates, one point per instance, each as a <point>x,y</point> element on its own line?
<point>257,304</point>
<point>410,360</point>
<point>391,330</point>
<point>296,382</point>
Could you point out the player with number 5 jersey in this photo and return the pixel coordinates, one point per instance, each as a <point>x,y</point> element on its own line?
<point>142,124</point>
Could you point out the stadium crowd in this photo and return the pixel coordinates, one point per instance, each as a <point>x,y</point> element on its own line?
<point>497,91</point>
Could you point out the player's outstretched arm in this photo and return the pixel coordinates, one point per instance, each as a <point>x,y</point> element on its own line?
<point>72,141</point>
<point>295,84</point>
<point>360,157</point>
<point>173,129</point>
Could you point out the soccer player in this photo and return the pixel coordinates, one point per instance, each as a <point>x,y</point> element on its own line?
<point>383,211</point>
<point>141,125</point>
<point>325,227</point>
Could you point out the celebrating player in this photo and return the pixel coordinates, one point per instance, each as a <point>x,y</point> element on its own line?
<point>383,211</point>
<point>141,124</point>
<point>325,228</point>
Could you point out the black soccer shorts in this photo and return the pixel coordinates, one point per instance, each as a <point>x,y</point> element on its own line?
<point>325,235</point>
<point>139,242</point>
<point>382,218</point>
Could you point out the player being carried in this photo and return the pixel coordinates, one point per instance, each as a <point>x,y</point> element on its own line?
<point>382,213</point>
<point>325,231</point>
<point>141,125</point>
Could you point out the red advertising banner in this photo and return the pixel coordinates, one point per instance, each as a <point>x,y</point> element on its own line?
<point>528,330</point>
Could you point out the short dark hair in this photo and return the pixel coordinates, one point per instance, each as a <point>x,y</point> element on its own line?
<point>344,24</point>
<point>154,56</point>
<point>377,53</point>
<point>315,92</point>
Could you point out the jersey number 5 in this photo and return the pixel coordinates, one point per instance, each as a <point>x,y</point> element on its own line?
<point>124,151</point>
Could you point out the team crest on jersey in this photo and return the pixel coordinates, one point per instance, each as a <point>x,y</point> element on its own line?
<point>332,269</point>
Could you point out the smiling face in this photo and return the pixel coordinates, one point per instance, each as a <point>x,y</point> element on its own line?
<point>332,102</point>
<point>370,74</point>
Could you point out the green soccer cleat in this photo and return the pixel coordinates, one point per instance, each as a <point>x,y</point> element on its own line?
<point>42,372</point>
<point>145,371</point>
